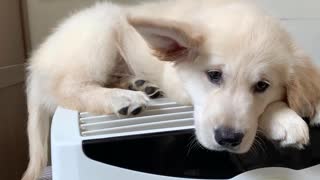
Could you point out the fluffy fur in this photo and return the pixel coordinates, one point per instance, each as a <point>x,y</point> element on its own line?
<point>172,44</point>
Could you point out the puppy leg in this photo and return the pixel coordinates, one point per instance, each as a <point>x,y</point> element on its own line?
<point>139,84</point>
<point>282,124</point>
<point>94,98</point>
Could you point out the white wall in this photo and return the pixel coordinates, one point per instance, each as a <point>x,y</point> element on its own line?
<point>302,18</point>
<point>43,15</point>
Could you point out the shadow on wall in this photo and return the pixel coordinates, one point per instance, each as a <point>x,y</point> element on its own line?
<point>43,15</point>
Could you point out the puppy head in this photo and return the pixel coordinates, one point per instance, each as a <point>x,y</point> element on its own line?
<point>233,67</point>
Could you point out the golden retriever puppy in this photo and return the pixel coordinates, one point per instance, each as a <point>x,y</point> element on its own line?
<point>234,63</point>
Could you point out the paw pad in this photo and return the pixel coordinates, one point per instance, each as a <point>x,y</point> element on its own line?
<point>136,111</point>
<point>139,83</point>
<point>124,111</point>
<point>145,86</point>
<point>150,90</point>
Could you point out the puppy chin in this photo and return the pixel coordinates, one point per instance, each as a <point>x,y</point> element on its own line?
<point>245,146</point>
<point>248,141</point>
<point>242,149</point>
<point>239,150</point>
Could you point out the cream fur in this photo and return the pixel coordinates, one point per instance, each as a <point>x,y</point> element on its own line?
<point>73,68</point>
<point>286,126</point>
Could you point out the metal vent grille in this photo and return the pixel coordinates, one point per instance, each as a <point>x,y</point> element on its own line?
<point>160,114</point>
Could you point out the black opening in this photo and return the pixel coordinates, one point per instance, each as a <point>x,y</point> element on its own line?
<point>175,154</point>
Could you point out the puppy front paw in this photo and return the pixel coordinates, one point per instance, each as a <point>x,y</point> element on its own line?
<point>280,123</point>
<point>315,121</point>
<point>126,103</point>
<point>151,90</point>
<point>293,134</point>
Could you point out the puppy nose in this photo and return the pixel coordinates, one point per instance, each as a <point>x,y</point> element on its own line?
<point>228,137</point>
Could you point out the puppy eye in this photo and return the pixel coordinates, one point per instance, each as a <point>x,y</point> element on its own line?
<point>215,76</point>
<point>261,86</point>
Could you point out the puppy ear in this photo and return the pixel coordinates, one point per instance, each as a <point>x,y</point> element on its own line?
<point>303,88</point>
<point>169,40</point>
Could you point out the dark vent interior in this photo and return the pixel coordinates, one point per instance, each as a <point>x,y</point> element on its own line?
<point>176,154</point>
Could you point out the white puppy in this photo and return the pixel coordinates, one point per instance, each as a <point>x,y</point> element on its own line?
<point>226,57</point>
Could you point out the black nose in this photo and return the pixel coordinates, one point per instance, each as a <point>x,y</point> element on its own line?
<point>228,137</point>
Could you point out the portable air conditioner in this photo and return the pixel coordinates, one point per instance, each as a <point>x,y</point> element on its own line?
<point>159,144</point>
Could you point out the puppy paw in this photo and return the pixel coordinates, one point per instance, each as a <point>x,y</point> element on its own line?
<point>145,86</point>
<point>126,103</point>
<point>293,134</point>
<point>279,123</point>
<point>315,121</point>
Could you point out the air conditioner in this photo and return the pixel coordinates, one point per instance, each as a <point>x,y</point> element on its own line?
<point>159,144</point>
